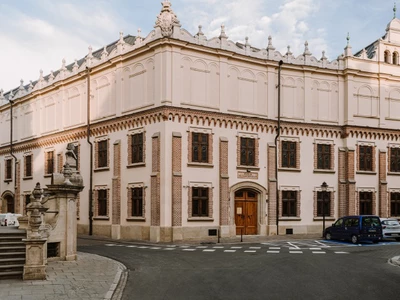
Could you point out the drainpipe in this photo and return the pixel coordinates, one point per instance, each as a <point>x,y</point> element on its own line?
<point>278,132</point>
<point>11,145</point>
<point>91,154</point>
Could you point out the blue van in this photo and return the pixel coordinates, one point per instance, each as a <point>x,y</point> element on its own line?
<point>355,229</point>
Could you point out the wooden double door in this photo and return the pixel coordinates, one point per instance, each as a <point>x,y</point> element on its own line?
<point>246,212</point>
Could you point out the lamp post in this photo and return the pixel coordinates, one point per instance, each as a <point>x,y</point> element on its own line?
<point>324,187</point>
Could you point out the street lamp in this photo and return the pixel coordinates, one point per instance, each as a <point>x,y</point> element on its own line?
<point>324,187</point>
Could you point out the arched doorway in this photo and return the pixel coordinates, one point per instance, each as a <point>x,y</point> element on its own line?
<point>8,205</point>
<point>246,213</point>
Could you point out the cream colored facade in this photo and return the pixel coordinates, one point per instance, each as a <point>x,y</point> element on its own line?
<point>171,85</point>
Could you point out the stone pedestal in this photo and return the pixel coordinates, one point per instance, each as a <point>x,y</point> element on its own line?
<point>34,268</point>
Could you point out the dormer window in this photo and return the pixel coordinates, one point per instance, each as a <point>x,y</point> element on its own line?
<point>387,57</point>
<point>395,58</point>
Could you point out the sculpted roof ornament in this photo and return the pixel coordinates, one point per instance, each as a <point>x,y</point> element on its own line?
<point>288,53</point>
<point>394,11</point>
<point>75,66</point>
<point>306,50</point>
<point>167,19</point>
<point>223,34</point>
<point>270,47</point>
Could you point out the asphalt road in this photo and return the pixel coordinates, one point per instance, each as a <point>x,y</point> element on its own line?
<point>275,270</point>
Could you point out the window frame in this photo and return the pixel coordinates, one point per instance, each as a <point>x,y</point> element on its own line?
<point>394,159</point>
<point>289,204</point>
<point>102,203</point>
<point>326,161</point>
<point>202,141</point>
<point>28,171</point>
<point>328,206</point>
<point>394,203</point>
<point>365,159</point>
<point>364,201</point>
<point>137,203</point>
<point>246,149</point>
<point>8,171</point>
<point>49,162</point>
<point>286,163</point>
<point>201,201</point>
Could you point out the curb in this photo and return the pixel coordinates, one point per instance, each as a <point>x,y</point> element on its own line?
<point>118,285</point>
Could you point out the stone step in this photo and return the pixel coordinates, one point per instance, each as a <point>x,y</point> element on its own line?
<point>11,243</point>
<point>11,260</point>
<point>21,248</point>
<point>12,254</point>
<point>11,274</point>
<point>6,268</point>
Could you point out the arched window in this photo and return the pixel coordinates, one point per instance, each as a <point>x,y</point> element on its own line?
<point>395,58</point>
<point>387,57</point>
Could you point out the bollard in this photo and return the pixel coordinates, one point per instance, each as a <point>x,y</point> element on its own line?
<point>241,234</point>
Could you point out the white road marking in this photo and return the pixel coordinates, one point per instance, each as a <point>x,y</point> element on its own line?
<point>236,247</point>
<point>218,247</point>
<point>319,252</point>
<point>273,251</point>
<point>188,249</point>
<point>110,245</point>
<point>201,247</point>
<point>254,247</point>
<point>322,244</point>
<point>341,252</point>
<point>155,248</point>
<point>250,251</point>
<point>231,251</point>
<point>208,250</point>
<point>275,248</point>
<point>169,248</point>
<point>132,246</point>
<point>293,245</point>
<point>296,252</point>
<point>315,248</point>
<point>143,247</point>
<point>291,248</point>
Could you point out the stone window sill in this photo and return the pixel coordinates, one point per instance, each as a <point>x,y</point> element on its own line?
<point>252,168</point>
<point>289,219</point>
<point>366,172</point>
<point>136,165</point>
<point>394,173</point>
<point>136,219</point>
<point>27,178</point>
<point>200,165</point>
<point>327,218</point>
<point>207,219</point>
<point>101,169</point>
<point>326,171</point>
<point>289,169</point>
<point>101,218</point>
<point>8,180</point>
<point>47,175</point>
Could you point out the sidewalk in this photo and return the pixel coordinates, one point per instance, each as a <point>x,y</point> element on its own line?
<point>90,277</point>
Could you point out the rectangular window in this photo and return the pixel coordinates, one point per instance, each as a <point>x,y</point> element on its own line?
<point>102,154</point>
<point>102,202</point>
<point>365,203</point>
<point>28,166</point>
<point>365,158</point>
<point>288,154</point>
<point>289,203</point>
<point>323,204</point>
<point>394,159</point>
<point>137,148</point>
<point>27,201</point>
<point>323,157</point>
<point>247,151</point>
<point>137,202</point>
<point>8,170</point>
<point>76,152</point>
<point>50,162</point>
<point>199,202</point>
<point>200,147</point>
<point>394,204</point>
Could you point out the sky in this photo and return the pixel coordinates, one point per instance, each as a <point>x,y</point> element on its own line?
<point>38,34</point>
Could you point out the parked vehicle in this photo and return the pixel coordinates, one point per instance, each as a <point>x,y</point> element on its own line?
<point>390,228</point>
<point>355,229</point>
<point>9,219</point>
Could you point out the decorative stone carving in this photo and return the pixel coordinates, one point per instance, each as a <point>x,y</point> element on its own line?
<point>167,19</point>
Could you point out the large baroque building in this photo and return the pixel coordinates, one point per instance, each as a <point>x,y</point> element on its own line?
<point>176,135</point>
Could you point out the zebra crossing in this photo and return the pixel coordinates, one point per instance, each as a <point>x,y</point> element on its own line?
<point>289,248</point>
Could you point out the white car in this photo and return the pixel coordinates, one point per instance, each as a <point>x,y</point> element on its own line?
<point>9,219</point>
<point>390,228</point>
